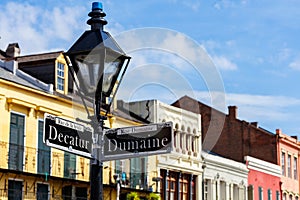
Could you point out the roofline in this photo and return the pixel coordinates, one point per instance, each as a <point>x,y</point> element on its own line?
<point>226,115</point>
<point>38,54</point>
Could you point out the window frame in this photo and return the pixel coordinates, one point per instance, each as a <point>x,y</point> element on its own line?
<point>289,165</point>
<point>60,76</point>
<point>283,160</point>
<point>295,168</point>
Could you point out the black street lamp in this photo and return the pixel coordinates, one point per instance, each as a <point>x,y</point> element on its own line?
<point>98,62</point>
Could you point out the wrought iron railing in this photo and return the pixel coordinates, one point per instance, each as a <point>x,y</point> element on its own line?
<point>18,194</point>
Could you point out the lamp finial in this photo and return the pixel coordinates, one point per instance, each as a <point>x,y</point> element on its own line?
<point>97,15</point>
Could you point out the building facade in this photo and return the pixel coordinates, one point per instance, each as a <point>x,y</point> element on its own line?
<point>29,169</point>
<point>223,131</point>
<point>288,159</point>
<point>224,179</point>
<point>177,175</point>
<point>263,179</point>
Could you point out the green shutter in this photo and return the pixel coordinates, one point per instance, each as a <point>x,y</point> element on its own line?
<point>277,195</point>
<point>16,142</point>
<point>43,152</point>
<point>269,194</point>
<point>260,193</point>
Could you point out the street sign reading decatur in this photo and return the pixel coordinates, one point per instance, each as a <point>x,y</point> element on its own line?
<point>137,141</point>
<point>67,135</point>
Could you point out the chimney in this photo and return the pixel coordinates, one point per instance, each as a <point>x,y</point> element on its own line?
<point>295,137</point>
<point>13,50</point>
<point>254,124</point>
<point>232,112</point>
<point>278,131</point>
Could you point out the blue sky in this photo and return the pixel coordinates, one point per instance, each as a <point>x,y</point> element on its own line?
<point>254,47</point>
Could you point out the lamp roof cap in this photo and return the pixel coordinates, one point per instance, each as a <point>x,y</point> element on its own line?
<point>97,6</point>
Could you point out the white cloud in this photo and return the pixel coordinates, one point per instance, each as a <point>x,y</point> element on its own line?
<point>261,108</point>
<point>223,4</point>
<point>295,65</point>
<point>37,29</point>
<point>262,100</point>
<point>178,59</point>
<point>193,4</point>
<point>223,63</point>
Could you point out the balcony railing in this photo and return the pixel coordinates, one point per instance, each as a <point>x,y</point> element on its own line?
<point>15,157</point>
<point>17,194</point>
<point>28,159</point>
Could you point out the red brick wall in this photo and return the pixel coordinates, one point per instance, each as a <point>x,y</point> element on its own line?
<point>230,137</point>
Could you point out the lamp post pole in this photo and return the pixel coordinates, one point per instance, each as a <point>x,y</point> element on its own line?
<point>98,62</point>
<point>96,174</point>
<point>96,181</point>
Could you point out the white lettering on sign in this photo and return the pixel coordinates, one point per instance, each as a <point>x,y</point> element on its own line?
<point>68,140</point>
<point>114,145</point>
<point>69,124</point>
<point>139,129</point>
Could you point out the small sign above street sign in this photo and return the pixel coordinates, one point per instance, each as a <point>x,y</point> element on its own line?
<point>67,135</point>
<point>137,141</point>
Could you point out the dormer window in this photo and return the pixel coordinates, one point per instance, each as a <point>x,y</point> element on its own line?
<point>60,84</point>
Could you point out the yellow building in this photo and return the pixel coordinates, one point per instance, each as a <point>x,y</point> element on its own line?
<point>29,168</point>
<point>31,86</point>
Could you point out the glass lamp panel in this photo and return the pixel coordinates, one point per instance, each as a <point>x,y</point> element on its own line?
<point>89,71</point>
<point>111,71</point>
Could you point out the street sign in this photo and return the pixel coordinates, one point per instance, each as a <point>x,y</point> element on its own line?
<point>67,135</point>
<point>137,141</point>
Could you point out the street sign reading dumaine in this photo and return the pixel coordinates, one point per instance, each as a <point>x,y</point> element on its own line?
<point>67,135</point>
<point>136,141</point>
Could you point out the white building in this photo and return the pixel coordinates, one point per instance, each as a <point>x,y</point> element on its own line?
<point>179,173</point>
<point>224,179</point>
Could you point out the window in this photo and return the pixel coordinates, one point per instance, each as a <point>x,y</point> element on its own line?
<point>15,190</point>
<point>43,152</point>
<point>277,195</point>
<point>67,192</point>
<point>16,142</point>
<point>81,193</point>
<point>283,163</point>
<point>260,193</point>
<point>172,186</point>
<point>269,194</point>
<point>284,196</point>
<point>184,188</point>
<point>205,189</point>
<point>175,138</point>
<point>193,187</point>
<point>291,197</point>
<point>289,166</point>
<point>250,192</point>
<point>295,168</point>
<point>60,76</point>
<point>138,172</point>
<point>69,165</point>
<point>187,141</point>
<point>42,192</point>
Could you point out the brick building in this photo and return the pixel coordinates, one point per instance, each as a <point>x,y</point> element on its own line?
<point>229,136</point>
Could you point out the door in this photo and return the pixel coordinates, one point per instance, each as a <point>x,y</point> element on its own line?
<point>15,190</point>
<point>42,192</point>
